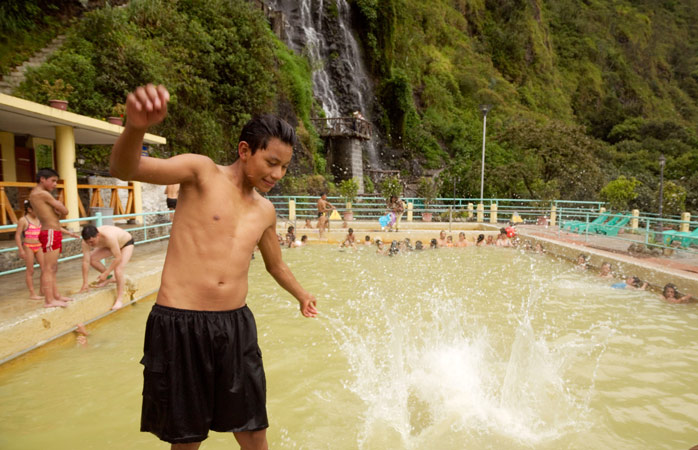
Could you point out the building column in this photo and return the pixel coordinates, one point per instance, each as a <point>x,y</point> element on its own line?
<point>410,211</point>
<point>65,165</point>
<point>7,145</point>
<point>480,213</point>
<point>137,200</point>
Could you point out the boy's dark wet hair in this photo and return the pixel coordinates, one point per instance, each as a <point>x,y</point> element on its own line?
<point>350,230</point>
<point>394,249</point>
<point>418,245</point>
<point>502,231</point>
<point>89,231</point>
<point>433,243</point>
<point>46,172</point>
<point>290,229</point>
<point>258,130</point>
<point>367,238</point>
<point>671,286</point>
<point>481,238</point>
<point>637,282</point>
<point>304,238</point>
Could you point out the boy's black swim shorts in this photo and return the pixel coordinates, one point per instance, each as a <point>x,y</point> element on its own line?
<point>202,371</point>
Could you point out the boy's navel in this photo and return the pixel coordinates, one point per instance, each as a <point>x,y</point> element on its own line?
<point>216,217</point>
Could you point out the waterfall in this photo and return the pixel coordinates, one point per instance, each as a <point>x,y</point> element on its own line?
<point>340,80</point>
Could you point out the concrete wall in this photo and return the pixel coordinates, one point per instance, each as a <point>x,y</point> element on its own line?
<point>345,160</point>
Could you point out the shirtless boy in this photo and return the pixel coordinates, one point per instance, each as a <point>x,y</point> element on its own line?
<point>441,241</point>
<point>99,243</point>
<point>49,211</point>
<point>323,213</point>
<point>201,338</point>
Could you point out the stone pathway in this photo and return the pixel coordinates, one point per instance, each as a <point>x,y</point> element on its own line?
<point>11,81</point>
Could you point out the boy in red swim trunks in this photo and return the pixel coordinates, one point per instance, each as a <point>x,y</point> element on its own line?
<point>49,211</point>
<point>203,367</point>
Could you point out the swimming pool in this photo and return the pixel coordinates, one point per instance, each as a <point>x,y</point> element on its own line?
<point>448,349</point>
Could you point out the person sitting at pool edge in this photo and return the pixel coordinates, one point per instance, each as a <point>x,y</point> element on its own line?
<point>214,381</point>
<point>100,243</point>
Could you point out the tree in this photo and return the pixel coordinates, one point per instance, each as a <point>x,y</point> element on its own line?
<point>620,192</point>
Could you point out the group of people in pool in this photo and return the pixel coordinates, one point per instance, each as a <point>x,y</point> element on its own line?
<point>670,293</point>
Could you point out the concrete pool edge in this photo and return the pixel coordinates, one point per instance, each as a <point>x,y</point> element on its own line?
<point>41,326</point>
<point>623,265</point>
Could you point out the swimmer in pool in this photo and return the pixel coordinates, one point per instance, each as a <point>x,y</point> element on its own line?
<point>480,240</point>
<point>442,241</point>
<point>201,329</point>
<point>632,283</point>
<point>605,270</point>
<point>671,295</point>
<point>462,241</point>
<point>349,240</point>
<point>99,243</point>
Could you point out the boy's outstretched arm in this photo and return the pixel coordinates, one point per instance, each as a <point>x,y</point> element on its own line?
<point>145,107</point>
<point>271,252</point>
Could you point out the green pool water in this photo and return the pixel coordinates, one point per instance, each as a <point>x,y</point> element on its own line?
<point>446,349</point>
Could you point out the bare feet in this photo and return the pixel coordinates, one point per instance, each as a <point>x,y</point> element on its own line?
<point>117,305</point>
<point>80,329</point>
<point>55,304</point>
<point>65,299</point>
<point>36,297</point>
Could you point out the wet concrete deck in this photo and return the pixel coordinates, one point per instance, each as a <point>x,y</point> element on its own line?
<point>25,324</point>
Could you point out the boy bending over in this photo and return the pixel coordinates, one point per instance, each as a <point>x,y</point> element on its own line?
<point>99,243</point>
<point>203,367</point>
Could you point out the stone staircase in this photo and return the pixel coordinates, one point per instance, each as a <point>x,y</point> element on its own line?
<point>10,82</point>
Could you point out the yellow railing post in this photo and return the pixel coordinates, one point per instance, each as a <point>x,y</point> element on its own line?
<point>553,215</point>
<point>480,213</point>
<point>410,211</point>
<point>291,210</point>
<point>685,219</point>
<point>493,213</point>
<point>635,221</point>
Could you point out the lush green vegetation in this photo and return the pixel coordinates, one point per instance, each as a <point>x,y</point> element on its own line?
<point>218,58</point>
<point>27,26</point>
<point>583,92</point>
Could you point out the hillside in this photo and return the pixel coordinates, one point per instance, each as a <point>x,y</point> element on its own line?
<point>582,92</point>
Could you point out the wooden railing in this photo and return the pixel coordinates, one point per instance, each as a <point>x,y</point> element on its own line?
<point>9,216</point>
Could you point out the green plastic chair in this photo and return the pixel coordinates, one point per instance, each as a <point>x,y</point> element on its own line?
<point>592,227</point>
<point>614,229</point>
<point>574,225</point>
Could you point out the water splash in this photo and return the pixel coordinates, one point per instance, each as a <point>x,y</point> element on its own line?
<point>426,369</point>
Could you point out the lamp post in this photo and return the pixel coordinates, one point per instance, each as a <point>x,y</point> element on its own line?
<point>662,161</point>
<point>484,109</point>
<point>660,228</point>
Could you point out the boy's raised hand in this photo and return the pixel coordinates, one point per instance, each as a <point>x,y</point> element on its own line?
<point>146,106</point>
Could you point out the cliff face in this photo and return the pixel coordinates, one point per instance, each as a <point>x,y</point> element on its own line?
<point>622,73</point>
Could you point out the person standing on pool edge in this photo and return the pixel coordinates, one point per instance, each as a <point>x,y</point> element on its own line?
<point>203,367</point>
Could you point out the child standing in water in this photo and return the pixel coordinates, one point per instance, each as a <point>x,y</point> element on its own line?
<point>201,338</point>
<point>29,227</point>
